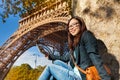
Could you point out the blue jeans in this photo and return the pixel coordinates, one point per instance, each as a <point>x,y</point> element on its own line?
<point>60,71</point>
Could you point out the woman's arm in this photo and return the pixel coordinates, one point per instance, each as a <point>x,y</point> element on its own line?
<point>91,47</point>
<point>65,57</point>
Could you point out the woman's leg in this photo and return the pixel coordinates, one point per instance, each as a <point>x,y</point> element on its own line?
<point>59,72</point>
<point>60,63</point>
<point>63,64</point>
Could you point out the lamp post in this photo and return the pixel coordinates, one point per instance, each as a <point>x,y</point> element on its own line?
<point>36,55</point>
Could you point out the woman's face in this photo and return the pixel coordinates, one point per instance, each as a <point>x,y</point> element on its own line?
<point>74,27</point>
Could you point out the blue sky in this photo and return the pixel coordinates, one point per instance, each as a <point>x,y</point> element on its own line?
<point>8,28</point>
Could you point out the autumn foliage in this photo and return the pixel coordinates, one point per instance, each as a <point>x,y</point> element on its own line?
<point>24,72</point>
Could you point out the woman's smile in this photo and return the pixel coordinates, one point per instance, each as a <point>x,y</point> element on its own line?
<point>73,30</point>
<point>74,27</point>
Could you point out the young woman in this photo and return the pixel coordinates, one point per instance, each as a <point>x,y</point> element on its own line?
<point>83,45</point>
<point>83,48</point>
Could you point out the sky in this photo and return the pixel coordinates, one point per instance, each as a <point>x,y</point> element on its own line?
<point>32,60</point>
<point>6,30</point>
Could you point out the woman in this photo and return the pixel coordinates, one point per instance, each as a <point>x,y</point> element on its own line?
<point>83,45</point>
<point>83,48</point>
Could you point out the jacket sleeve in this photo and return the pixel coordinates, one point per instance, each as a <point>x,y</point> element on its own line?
<point>90,43</point>
<point>64,57</point>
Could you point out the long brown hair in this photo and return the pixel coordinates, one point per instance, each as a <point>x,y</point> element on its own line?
<point>74,40</point>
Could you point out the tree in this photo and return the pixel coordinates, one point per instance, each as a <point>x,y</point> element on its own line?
<point>24,72</point>
<point>13,7</point>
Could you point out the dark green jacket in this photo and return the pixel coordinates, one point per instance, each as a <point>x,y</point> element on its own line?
<point>87,55</point>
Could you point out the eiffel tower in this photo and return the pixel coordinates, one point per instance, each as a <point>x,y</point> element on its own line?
<point>46,26</point>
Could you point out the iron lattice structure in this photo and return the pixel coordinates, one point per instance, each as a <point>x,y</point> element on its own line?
<point>46,27</point>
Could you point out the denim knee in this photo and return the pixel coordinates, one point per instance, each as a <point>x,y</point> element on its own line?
<point>57,62</point>
<point>73,76</point>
